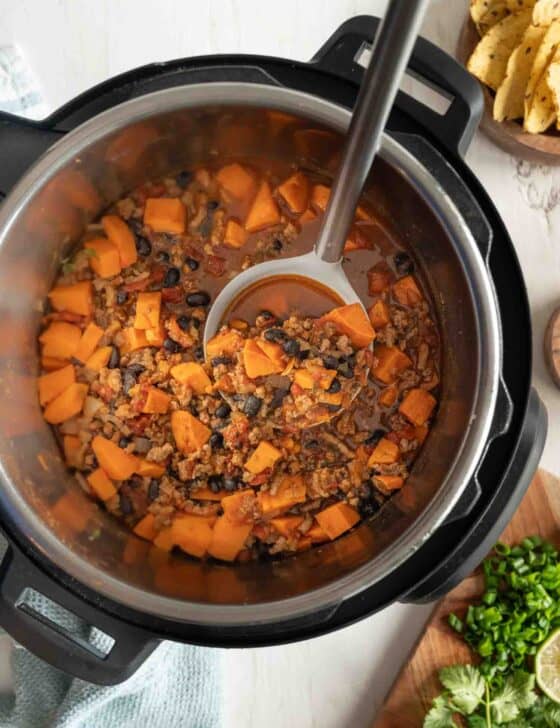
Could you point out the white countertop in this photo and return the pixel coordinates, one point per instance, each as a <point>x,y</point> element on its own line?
<point>336,680</point>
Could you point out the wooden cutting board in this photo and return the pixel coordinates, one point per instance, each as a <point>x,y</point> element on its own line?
<point>417,684</point>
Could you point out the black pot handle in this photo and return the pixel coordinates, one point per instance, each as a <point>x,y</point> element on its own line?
<point>454,129</point>
<point>58,645</point>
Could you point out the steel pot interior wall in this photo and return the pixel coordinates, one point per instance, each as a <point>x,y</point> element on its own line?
<point>42,498</point>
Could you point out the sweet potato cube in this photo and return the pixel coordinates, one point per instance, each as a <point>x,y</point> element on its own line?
<point>51,363</point>
<point>118,464</point>
<point>289,493</point>
<point>145,527</point>
<point>76,298</point>
<point>133,339</point>
<point>379,314</point>
<point>192,534</point>
<point>235,235</point>
<point>239,507</point>
<point>225,342</point>
<point>391,361</point>
<point>273,351</point>
<point>99,358</point>
<point>388,396</point>
<point>256,362</point>
<point>264,211</point>
<point>207,494</point>
<point>66,405</point>
<point>236,181</point>
<point>307,216</point>
<point>380,278</point>
<point>148,469</point>
<point>352,321</point>
<point>104,257</point>
<point>165,215</point>
<point>286,525</point>
<point>385,453</point>
<point>122,238</point>
<point>262,458</point>
<point>189,432</point>
<point>295,192</point>
<point>73,450</point>
<point>327,398</point>
<point>157,402</point>
<point>51,385</point>
<point>316,534</point>
<point>421,433</point>
<point>388,483</point>
<point>164,540</point>
<point>193,375</point>
<point>417,406</point>
<point>88,342</point>
<point>60,340</point>
<point>155,336</point>
<point>314,376</point>
<point>228,538</point>
<point>406,291</point>
<point>320,196</point>
<point>337,519</point>
<point>101,484</point>
<point>148,307</point>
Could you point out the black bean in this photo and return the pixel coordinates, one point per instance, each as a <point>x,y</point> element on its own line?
<point>94,462</point>
<point>346,371</point>
<point>124,441</point>
<point>125,504</point>
<point>172,472</point>
<point>196,322</point>
<point>143,246</point>
<point>121,297</point>
<point>366,489</point>
<point>172,277</point>
<point>277,398</point>
<point>231,484</point>
<point>193,409</point>
<point>252,405</point>
<point>171,346</point>
<point>267,315</point>
<point>198,353</point>
<point>183,178</point>
<point>217,360</point>
<point>367,507</point>
<point>199,298</point>
<point>215,483</point>
<point>275,335</point>
<point>114,359</point>
<point>128,380</point>
<point>277,245</point>
<point>212,205</point>
<point>312,444</point>
<point>192,263</point>
<point>404,263</point>
<point>291,347</point>
<point>223,411</point>
<point>153,489</point>
<point>136,369</point>
<point>216,440</point>
<point>330,362</point>
<point>135,225</point>
<point>332,407</point>
<point>183,322</point>
<point>374,437</point>
<point>303,354</point>
<point>335,387</point>
<point>163,257</point>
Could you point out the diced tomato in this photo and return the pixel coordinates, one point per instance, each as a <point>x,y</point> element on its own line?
<point>139,424</point>
<point>172,295</point>
<point>215,265</point>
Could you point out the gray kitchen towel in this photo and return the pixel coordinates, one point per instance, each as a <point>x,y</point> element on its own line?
<point>178,686</point>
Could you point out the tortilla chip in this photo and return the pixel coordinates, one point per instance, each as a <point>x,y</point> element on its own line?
<point>489,59</point>
<point>509,102</point>
<point>497,12</point>
<point>479,8</point>
<point>515,6</point>
<point>541,112</point>
<point>543,59</point>
<point>553,80</point>
<point>545,12</point>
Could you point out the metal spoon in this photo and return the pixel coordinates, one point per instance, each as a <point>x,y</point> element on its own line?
<point>393,45</point>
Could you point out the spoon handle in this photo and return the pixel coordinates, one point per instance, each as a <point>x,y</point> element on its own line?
<point>390,54</point>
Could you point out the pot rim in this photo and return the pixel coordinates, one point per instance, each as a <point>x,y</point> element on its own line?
<point>336,117</point>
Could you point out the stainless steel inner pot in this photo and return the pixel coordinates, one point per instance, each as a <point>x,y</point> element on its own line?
<point>177,128</point>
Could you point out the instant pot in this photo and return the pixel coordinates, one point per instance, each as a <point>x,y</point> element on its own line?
<point>59,174</point>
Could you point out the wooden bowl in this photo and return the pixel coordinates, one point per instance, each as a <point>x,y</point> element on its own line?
<point>509,135</point>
